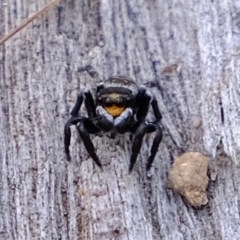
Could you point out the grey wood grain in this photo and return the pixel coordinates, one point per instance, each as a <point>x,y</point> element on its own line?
<point>190,48</point>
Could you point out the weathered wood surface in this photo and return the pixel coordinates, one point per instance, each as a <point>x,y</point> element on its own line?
<point>190,47</point>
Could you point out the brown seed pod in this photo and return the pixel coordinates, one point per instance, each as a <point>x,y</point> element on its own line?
<point>188,177</point>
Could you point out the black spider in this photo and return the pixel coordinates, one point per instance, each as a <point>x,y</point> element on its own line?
<point>119,105</point>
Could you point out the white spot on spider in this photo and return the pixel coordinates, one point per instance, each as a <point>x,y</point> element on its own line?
<point>125,115</point>
<point>102,112</point>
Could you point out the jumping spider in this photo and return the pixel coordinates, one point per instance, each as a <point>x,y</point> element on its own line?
<point>118,105</point>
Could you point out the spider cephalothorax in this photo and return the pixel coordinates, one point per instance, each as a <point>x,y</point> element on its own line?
<point>118,105</point>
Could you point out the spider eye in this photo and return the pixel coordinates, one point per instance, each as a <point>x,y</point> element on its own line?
<point>120,102</point>
<point>107,102</point>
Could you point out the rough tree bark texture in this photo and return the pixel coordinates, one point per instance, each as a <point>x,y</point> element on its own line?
<point>191,48</point>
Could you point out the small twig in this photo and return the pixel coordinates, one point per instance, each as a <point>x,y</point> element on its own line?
<point>27,21</point>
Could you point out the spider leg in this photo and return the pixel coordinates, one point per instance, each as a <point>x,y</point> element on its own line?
<point>84,127</point>
<point>152,127</point>
<point>67,134</point>
<point>90,70</point>
<point>90,105</point>
<point>76,108</point>
<point>157,140</point>
<point>72,121</point>
<point>140,127</point>
<point>137,143</point>
<point>89,102</point>
<point>140,132</point>
<point>142,103</point>
<point>156,110</point>
<point>143,100</point>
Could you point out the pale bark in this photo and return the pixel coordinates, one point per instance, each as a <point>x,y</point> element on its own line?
<point>191,48</point>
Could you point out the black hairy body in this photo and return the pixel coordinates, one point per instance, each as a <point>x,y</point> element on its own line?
<point>118,105</point>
